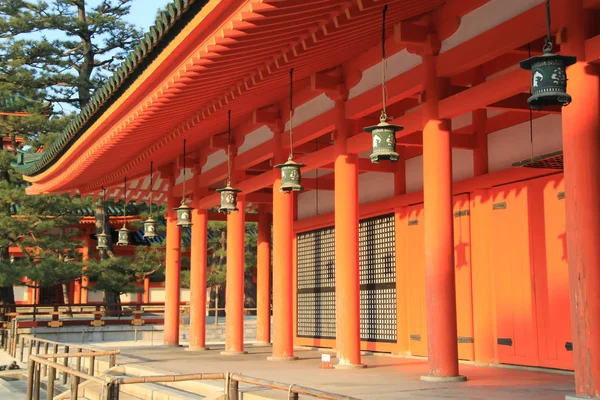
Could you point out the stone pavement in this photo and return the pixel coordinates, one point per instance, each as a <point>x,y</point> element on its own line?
<point>386,377</point>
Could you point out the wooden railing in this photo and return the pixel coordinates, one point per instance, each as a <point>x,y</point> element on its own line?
<point>57,315</point>
<point>44,364</point>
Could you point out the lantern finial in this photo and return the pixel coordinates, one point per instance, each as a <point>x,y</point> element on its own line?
<point>549,74</point>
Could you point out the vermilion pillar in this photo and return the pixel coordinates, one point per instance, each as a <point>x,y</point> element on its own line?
<point>283,225</point>
<point>198,279</point>
<point>439,240</point>
<point>581,145</point>
<point>172,274</point>
<point>263,278</point>
<point>234,294</point>
<point>146,290</point>
<point>84,280</point>
<point>347,289</point>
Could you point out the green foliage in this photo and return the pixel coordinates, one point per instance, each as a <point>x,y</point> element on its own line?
<point>64,47</point>
<point>113,275</point>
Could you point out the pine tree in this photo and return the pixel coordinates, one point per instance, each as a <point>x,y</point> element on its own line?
<point>60,52</point>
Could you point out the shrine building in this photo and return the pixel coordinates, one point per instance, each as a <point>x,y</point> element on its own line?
<point>424,173</point>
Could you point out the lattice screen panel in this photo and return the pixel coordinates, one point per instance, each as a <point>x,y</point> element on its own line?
<point>316,284</point>
<point>377,258</point>
<point>316,281</point>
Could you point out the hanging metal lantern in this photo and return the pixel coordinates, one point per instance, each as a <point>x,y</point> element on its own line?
<point>228,199</point>
<point>548,74</point>
<point>102,241</point>
<point>150,228</point>
<point>383,134</point>
<point>184,215</point>
<point>290,176</point>
<point>123,236</point>
<point>384,140</point>
<point>549,79</point>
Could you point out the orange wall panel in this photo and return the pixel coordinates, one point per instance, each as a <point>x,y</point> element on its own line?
<point>413,261</point>
<point>547,216</point>
<point>462,265</point>
<point>484,315</point>
<point>513,276</point>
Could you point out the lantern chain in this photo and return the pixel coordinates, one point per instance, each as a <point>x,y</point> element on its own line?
<point>124,201</point>
<point>530,110</point>
<point>383,117</point>
<point>548,44</point>
<point>228,148</point>
<point>184,157</point>
<point>104,207</point>
<point>151,187</point>
<point>291,114</point>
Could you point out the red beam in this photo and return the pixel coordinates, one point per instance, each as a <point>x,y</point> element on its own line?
<point>217,216</point>
<point>517,31</point>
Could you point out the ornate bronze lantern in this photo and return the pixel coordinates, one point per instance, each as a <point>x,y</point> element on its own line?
<point>184,215</point>
<point>150,228</point>
<point>228,194</point>
<point>123,238</point>
<point>549,75</point>
<point>150,223</point>
<point>102,237</point>
<point>384,140</point>
<point>383,134</point>
<point>228,199</point>
<point>184,212</point>
<point>102,241</point>
<point>291,175</point>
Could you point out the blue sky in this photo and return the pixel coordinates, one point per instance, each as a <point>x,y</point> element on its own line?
<point>143,12</point>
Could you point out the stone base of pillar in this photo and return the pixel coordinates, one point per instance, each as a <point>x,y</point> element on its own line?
<point>282,358</point>
<point>196,348</point>
<point>575,397</point>
<point>233,353</point>
<point>349,366</point>
<point>261,344</point>
<point>432,378</point>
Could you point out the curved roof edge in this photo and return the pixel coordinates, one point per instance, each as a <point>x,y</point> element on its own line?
<point>168,24</point>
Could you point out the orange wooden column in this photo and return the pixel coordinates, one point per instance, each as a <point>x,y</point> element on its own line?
<point>85,256</point>
<point>347,285</point>
<point>440,288</point>
<point>198,265</point>
<point>263,278</point>
<point>146,290</point>
<point>283,225</point>
<point>581,146</point>
<point>234,294</point>
<point>172,274</point>
<point>76,292</point>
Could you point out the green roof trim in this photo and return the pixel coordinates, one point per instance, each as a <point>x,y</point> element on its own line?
<point>168,24</point>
